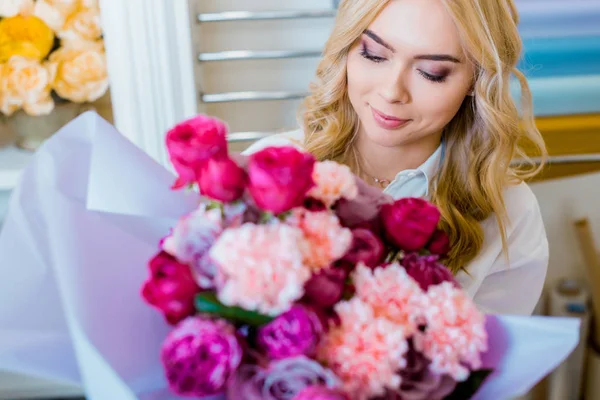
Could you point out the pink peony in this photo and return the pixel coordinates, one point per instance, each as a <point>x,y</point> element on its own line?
<point>321,393</point>
<point>326,240</point>
<point>280,178</point>
<point>365,351</point>
<point>222,179</point>
<point>199,356</point>
<point>455,334</point>
<point>426,270</point>
<point>261,267</point>
<point>333,182</point>
<point>281,380</point>
<point>326,287</point>
<point>439,243</point>
<point>296,332</point>
<point>392,294</point>
<point>192,238</point>
<point>366,248</point>
<point>410,222</point>
<point>171,288</point>
<point>192,142</point>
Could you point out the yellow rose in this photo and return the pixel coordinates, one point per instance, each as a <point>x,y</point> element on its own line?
<point>90,3</point>
<point>25,83</point>
<point>26,36</point>
<point>10,8</point>
<point>55,12</point>
<point>83,24</point>
<point>80,71</point>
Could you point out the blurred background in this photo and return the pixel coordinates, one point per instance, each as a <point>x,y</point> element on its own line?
<point>146,64</point>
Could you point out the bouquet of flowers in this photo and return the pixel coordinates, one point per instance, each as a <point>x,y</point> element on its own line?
<point>50,50</point>
<point>278,277</point>
<point>295,280</point>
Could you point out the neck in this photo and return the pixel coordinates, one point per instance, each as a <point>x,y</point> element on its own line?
<point>385,163</point>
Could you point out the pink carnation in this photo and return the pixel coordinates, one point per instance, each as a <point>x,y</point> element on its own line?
<point>260,267</point>
<point>455,335</point>
<point>392,293</point>
<point>326,240</point>
<point>364,351</point>
<point>334,181</point>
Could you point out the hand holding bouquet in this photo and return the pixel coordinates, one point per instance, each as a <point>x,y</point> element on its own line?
<point>293,279</point>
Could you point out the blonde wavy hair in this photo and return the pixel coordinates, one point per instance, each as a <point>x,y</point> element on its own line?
<point>486,135</point>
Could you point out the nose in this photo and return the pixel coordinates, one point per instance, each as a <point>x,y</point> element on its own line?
<point>394,88</point>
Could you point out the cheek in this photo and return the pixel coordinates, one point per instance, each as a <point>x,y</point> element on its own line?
<point>440,101</point>
<point>360,80</point>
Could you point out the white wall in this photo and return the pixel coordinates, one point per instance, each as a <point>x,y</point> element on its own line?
<point>562,201</point>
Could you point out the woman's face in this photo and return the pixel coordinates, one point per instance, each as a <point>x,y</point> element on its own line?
<point>408,74</point>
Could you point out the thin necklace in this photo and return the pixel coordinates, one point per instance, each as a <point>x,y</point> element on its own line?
<point>382,183</point>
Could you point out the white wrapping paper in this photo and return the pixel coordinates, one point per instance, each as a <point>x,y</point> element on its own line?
<point>82,224</point>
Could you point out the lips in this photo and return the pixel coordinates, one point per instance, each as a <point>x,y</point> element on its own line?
<point>387,121</point>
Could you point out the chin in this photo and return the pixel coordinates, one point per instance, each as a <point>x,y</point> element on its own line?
<point>385,137</point>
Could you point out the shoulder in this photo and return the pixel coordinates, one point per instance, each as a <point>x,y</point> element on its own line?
<point>291,138</point>
<point>521,206</point>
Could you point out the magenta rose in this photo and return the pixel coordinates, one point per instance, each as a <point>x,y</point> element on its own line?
<point>439,243</point>
<point>222,179</point>
<point>280,177</point>
<point>426,270</point>
<point>410,222</point>
<point>326,287</point>
<point>192,142</point>
<point>171,288</point>
<point>318,392</point>
<point>295,332</point>
<point>199,357</point>
<point>366,247</point>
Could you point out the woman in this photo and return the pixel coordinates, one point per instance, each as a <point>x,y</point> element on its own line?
<point>414,96</point>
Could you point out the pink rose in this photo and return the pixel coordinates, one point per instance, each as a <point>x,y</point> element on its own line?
<point>280,177</point>
<point>326,288</point>
<point>191,239</point>
<point>366,247</point>
<point>171,288</point>
<point>192,142</point>
<point>439,243</point>
<point>280,380</point>
<point>222,179</point>
<point>410,222</point>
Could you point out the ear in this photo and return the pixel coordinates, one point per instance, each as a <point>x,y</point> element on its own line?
<point>471,91</point>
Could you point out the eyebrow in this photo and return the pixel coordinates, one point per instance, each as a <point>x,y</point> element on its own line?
<point>432,57</point>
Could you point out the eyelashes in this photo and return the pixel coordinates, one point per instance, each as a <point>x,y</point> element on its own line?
<point>364,52</point>
<point>432,78</point>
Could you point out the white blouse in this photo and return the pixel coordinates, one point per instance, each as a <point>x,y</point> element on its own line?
<point>498,284</point>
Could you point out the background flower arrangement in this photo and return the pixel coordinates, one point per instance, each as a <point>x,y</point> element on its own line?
<point>51,52</point>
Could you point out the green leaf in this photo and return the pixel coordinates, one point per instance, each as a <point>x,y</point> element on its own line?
<point>467,389</point>
<point>265,217</point>
<point>207,302</point>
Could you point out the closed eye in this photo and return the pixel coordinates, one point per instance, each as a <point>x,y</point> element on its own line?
<point>433,78</point>
<point>371,57</point>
